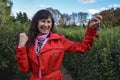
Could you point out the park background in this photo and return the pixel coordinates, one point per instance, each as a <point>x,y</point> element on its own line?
<point>102,62</point>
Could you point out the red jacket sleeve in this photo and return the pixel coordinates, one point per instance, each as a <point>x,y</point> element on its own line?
<point>22,59</point>
<point>85,45</point>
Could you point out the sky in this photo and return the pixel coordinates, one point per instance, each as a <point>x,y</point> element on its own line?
<point>64,6</point>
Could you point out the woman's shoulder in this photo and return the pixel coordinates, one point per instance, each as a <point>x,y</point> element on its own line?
<point>56,36</point>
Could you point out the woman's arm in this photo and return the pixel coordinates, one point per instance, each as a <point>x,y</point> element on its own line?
<point>85,45</point>
<point>21,53</point>
<point>22,58</point>
<point>88,40</point>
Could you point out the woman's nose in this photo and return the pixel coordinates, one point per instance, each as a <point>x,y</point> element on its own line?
<point>45,24</point>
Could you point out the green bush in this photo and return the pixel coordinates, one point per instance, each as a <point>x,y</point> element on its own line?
<point>102,62</point>
<point>9,36</point>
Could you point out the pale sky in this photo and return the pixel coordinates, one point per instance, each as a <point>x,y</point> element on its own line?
<point>64,6</point>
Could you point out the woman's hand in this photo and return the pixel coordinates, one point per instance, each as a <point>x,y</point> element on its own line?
<point>95,21</point>
<point>23,38</point>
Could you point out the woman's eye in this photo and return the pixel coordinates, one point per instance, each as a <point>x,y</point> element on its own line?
<point>48,21</point>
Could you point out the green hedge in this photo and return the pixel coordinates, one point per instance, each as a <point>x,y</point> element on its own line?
<point>9,36</point>
<point>102,62</point>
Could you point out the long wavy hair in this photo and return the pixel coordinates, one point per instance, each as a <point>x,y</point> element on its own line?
<point>33,29</point>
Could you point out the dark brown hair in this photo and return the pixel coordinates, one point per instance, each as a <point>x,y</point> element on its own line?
<point>33,30</point>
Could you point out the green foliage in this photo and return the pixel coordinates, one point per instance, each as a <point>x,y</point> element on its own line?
<point>111,17</point>
<point>8,38</point>
<point>2,13</point>
<point>22,17</point>
<point>72,33</point>
<point>102,62</point>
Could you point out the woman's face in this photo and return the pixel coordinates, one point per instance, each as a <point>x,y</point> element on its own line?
<point>44,25</point>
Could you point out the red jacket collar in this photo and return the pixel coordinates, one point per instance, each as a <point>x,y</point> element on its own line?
<point>55,36</point>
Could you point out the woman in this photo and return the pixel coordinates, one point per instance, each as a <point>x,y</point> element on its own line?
<point>42,51</point>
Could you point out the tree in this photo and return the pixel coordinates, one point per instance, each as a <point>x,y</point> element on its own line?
<point>56,15</point>
<point>111,17</point>
<point>2,11</point>
<point>82,18</point>
<point>22,17</point>
<point>67,19</point>
<point>116,17</point>
<point>73,17</point>
<point>7,6</point>
<point>61,21</point>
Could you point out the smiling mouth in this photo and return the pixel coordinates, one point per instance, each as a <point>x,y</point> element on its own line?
<point>43,27</point>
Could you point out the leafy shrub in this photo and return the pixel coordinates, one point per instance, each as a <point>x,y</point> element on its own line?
<point>9,36</point>
<point>101,62</point>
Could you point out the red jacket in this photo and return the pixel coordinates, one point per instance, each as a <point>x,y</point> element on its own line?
<point>51,55</point>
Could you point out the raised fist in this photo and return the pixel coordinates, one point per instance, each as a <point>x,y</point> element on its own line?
<point>23,38</point>
<point>95,21</point>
